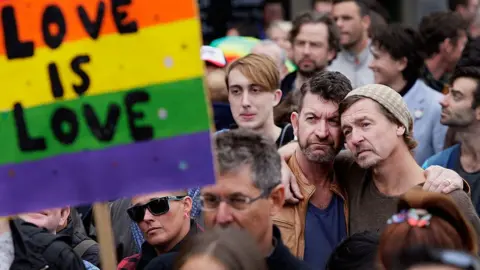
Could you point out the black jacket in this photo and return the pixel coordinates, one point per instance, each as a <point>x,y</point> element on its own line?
<point>281,258</point>
<point>76,234</point>
<point>36,248</point>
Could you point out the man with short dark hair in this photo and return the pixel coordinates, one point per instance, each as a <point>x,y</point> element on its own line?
<point>461,110</point>
<point>443,37</point>
<point>317,224</point>
<point>395,64</point>
<point>248,192</point>
<point>353,20</point>
<point>315,43</point>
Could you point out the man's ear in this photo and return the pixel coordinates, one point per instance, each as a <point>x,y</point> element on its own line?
<point>294,120</point>
<point>277,97</point>
<point>277,197</point>
<point>400,130</point>
<point>64,214</point>
<point>187,206</point>
<point>366,21</point>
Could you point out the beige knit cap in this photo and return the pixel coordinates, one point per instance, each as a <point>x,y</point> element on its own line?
<point>388,98</point>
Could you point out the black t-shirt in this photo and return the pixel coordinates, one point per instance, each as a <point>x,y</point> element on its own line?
<point>473,180</point>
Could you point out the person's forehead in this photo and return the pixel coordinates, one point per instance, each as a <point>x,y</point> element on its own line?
<point>316,104</point>
<point>313,31</point>
<point>141,199</point>
<point>348,7</point>
<point>465,85</point>
<point>239,180</point>
<point>237,77</point>
<point>360,109</point>
<point>271,50</point>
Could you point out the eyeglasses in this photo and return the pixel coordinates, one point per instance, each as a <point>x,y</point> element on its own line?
<point>156,206</point>
<point>210,202</point>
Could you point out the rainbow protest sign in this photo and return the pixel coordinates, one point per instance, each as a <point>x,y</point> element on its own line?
<point>100,99</point>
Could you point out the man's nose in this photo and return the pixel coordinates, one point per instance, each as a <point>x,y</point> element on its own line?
<point>224,214</point>
<point>355,137</point>
<point>322,131</point>
<point>245,99</point>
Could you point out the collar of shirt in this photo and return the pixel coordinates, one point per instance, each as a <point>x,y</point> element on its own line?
<point>358,59</point>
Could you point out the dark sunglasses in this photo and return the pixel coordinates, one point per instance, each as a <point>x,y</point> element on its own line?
<point>156,206</point>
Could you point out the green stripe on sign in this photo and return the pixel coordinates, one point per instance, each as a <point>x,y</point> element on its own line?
<point>173,109</point>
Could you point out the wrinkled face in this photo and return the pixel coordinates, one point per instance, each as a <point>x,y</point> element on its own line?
<point>49,219</point>
<point>369,134</point>
<point>457,108</point>
<point>311,52</point>
<point>252,106</point>
<point>281,38</point>
<point>385,69</point>
<point>317,128</point>
<point>162,229</point>
<point>235,186</point>
<point>352,26</point>
<point>202,262</point>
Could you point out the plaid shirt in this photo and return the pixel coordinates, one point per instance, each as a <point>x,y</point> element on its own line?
<point>129,263</point>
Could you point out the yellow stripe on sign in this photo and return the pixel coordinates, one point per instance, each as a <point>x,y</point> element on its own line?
<point>154,55</point>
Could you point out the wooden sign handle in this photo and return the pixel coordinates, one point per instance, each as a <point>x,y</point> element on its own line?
<point>103,225</point>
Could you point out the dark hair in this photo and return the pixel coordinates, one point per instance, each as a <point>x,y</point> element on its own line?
<point>407,136</point>
<point>246,29</point>
<point>329,85</point>
<point>453,4</point>
<point>438,26</point>
<point>356,252</point>
<point>472,72</point>
<point>400,41</point>
<point>233,248</point>
<point>317,17</point>
<point>362,6</point>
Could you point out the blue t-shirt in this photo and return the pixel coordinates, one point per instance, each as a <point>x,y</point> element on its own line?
<point>324,229</point>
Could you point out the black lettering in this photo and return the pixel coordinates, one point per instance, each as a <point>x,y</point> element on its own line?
<point>13,46</point>
<point>102,133</point>
<point>55,83</point>
<point>76,67</point>
<point>60,119</point>
<point>25,142</point>
<point>119,16</point>
<point>138,133</point>
<point>92,27</point>
<point>53,15</point>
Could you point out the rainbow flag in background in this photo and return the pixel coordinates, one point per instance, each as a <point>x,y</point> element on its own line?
<point>97,118</point>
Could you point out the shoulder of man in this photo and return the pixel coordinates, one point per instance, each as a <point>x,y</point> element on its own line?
<point>163,261</point>
<point>464,204</point>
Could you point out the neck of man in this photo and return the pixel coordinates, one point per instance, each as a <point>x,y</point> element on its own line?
<point>266,243</point>
<point>358,47</point>
<point>398,173</point>
<point>316,174</point>
<point>167,247</point>
<point>398,84</point>
<point>470,148</point>
<point>436,66</point>
<point>269,129</point>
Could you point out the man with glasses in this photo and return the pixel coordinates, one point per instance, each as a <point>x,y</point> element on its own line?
<point>249,192</point>
<point>164,219</point>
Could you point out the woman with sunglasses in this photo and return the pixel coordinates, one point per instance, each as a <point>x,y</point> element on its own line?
<point>165,221</point>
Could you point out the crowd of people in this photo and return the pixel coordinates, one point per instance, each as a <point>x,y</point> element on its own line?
<point>364,157</point>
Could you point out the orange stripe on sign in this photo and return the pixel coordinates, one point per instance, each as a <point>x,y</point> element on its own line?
<point>146,13</point>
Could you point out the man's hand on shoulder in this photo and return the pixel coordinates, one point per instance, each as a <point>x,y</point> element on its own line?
<point>441,180</point>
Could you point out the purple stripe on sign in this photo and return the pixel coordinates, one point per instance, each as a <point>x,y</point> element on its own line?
<point>122,171</point>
